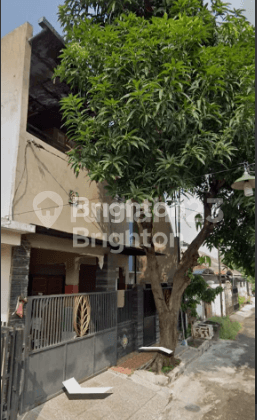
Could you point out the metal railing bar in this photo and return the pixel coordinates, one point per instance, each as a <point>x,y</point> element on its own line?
<point>52,317</point>
<point>69,340</point>
<point>72,295</point>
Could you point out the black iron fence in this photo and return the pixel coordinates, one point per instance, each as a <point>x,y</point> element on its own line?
<point>54,319</point>
<point>11,361</point>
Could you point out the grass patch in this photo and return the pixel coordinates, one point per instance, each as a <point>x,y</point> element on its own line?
<point>229,329</point>
<point>241,301</point>
<point>167,369</point>
<point>195,343</point>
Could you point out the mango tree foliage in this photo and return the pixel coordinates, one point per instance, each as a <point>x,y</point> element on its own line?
<point>157,104</point>
<point>156,110</point>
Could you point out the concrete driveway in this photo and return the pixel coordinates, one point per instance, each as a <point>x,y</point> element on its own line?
<point>221,383</point>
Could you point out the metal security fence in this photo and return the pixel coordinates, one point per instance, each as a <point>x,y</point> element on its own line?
<point>11,360</point>
<point>125,314</point>
<point>66,336</point>
<point>53,319</point>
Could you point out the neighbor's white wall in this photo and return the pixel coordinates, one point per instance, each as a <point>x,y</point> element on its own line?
<point>200,310</point>
<point>242,290</point>
<point>216,308</point>
<point>15,62</point>
<point>6,258</point>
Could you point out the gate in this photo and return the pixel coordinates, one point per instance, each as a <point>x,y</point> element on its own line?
<point>11,361</point>
<point>53,350</point>
<point>150,317</point>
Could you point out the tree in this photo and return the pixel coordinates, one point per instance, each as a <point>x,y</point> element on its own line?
<point>72,12</point>
<point>235,234</point>
<point>160,103</point>
<point>198,291</point>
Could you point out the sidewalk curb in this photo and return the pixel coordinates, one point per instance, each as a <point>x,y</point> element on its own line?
<point>181,368</point>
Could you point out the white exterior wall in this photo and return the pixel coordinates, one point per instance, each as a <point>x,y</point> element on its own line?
<point>200,310</point>
<point>242,290</point>
<point>6,258</point>
<point>14,48</point>
<point>216,308</point>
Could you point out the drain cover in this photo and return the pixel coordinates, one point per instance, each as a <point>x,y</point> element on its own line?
<point>192,407</point>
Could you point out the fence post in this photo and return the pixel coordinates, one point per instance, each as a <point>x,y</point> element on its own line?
<point>26,343</point>
<point>138,314</point>
<point>16,380</point>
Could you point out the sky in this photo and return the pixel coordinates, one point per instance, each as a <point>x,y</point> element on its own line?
<point>16,12</point>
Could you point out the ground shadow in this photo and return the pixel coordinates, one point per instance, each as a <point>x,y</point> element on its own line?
<point>87,396</point>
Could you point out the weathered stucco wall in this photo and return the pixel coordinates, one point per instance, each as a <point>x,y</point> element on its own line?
<point>41,168</point>
<point>15,64</point>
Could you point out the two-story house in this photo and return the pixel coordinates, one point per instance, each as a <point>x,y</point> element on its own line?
<point>38,213</point>
<point>58,246</point>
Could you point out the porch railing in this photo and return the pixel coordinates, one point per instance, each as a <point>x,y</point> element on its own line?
<point>50,319</point>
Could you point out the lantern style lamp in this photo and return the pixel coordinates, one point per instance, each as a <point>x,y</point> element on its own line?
<point>246,183</point>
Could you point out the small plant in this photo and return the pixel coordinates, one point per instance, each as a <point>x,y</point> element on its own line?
<point>229,329</point>
<point>167,369</point>
<point>188,330</point>
<point>241,301</point>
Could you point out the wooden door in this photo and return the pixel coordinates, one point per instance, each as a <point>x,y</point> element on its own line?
<point>208,310</point>
<point>47,285</point>
<point>39,285</point>
<point>87,278</point>
<point>55,285</point>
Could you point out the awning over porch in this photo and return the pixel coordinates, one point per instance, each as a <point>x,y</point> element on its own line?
<point>126,250</point>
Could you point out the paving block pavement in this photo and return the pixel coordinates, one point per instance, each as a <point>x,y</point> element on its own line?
<point>130,400</point>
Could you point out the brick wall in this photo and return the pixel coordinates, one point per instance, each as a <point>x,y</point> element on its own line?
<point>106,277</point>
<point>19,279</point>
<point>126,338</point>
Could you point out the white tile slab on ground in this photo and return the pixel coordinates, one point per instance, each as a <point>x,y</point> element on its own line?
<point>168,351</point>
<point>73,387</point>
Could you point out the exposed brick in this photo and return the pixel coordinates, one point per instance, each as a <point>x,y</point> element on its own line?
<point>19,280</point>
<point>127,329</point>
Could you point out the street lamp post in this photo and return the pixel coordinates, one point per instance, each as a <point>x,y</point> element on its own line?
<point>221,303</point>
<point>246,183</point>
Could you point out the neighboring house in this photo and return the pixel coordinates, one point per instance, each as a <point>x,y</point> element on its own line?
<point>232,281</point>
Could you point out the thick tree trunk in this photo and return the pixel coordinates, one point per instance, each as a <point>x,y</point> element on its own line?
<point>168,339</point>
<point>168,318</point>
<point>168,311</point>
